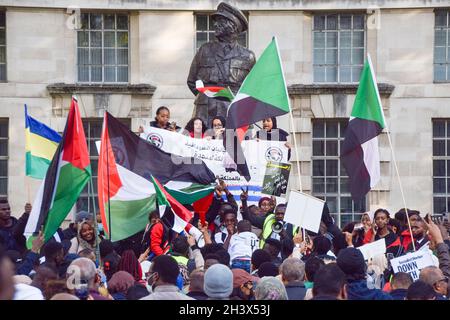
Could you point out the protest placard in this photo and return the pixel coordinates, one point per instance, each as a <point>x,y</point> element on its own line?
<point>412,263</point>
<point>373,249</point>
<point>276,178</point>
<point>304,211</point>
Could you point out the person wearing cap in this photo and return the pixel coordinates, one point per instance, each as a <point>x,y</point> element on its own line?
<point>218,282</point>
<point>221,62</point>
<point>243,285</point>
<point>351,261</point>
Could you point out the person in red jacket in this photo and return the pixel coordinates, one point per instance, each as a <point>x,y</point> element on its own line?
<point>156,236</point>
<point>380,230</point>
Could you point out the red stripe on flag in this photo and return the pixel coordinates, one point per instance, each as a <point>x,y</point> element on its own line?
<point>106,157</point>
<point>202,205</point>
<point>75,147</point>
<point>177,207</point>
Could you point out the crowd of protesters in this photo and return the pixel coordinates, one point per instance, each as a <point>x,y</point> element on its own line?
<point>246,252</point>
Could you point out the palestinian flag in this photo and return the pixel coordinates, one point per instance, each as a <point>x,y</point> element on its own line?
<point>220,93</point>
<point>126,191</point>
<point>359,153</point>
<point>66,177</point>
<point>263,94</point>
<point>41,142</point>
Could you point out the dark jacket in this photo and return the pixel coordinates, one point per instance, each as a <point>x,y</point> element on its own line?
<point>398,294</point>
<point>444,258</point>
<point>154,124</point>
<point>7,233</point>
<point>28,263</point>
<point>197,295</point>
<point>296,290</point>
<point>324,297</point>
<point>358,290</point>
<point>119,296</point>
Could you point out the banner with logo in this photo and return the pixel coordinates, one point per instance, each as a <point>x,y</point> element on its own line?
<point>212,153</point>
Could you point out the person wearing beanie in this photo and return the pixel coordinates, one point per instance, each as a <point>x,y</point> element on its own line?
<point>351,261</point>
<point>268,269</point>
<point>218,282</point>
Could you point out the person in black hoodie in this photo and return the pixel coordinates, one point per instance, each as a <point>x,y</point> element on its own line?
<point>400,283</point>
<point>351,262</point>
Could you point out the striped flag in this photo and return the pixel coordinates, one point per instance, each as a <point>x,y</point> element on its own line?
<point>220,93</point>
<point>127,164</point>
<point>66,177</point>
<point>359,153</point>
<point>41,143</point>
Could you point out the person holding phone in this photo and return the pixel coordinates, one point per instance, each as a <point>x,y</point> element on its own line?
<point>380,230</point>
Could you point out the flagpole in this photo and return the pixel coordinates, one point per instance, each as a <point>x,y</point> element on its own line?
<point>292,118</point>
<point>107,173</point>
<point>97,245</point>
<point>296,150</point>
<point>392,152</point>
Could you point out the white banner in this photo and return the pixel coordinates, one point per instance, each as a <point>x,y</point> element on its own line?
<point>213,154</point>
<point>412,263</point>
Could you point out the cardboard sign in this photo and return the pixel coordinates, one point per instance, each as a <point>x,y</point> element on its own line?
<point>412,263</point>
<point>373,249</point>
<point>276,178</point>
<point>304,211</point>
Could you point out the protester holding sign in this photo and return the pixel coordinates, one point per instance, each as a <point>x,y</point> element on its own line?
<point>271,132</point>
<point>380,230</point>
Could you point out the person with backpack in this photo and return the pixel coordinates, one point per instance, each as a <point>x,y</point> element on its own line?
<point>156,236</point>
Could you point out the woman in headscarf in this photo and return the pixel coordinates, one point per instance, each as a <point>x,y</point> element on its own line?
<point>129,263</point>
<point>270,288</point>
<point>119,284</point>
<point>85,239</point>
<point>271,132</point>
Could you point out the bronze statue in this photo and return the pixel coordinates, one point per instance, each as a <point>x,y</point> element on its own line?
<point>222,62</point>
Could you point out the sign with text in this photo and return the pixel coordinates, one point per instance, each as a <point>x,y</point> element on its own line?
<point>304,211</point>
<point>412,263</point>
<point>276,178</point>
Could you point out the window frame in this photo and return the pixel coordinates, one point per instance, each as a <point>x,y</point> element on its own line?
<point>103,65</point>
<point>2,11</point>
<point>446,47</point>
<point>5,121</point>
<point>446,159</point>
<point>338,30</point>
<point>338,215</point>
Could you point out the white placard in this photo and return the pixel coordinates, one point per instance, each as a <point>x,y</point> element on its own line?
<point>373,249</point>
<point>412,263</point>
<point>304,211</point>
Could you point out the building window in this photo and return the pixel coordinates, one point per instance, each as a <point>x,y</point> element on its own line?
<point>4,129</point>
<point>329,177</point>
<point>441,166</point>
<point>103,48</point>
<point>2,46</point>
<point>338,47</point>
<point>442,46</point>
<point>205,31</point>
<point>93,131</point>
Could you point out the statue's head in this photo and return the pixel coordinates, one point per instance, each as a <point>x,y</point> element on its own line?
<point>229,21</point>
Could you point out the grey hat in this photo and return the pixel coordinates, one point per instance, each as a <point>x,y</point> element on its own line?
<point>83,215</point>
<point>218,281</point>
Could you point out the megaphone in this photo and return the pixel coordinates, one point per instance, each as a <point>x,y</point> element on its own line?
<point>277,227</point>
